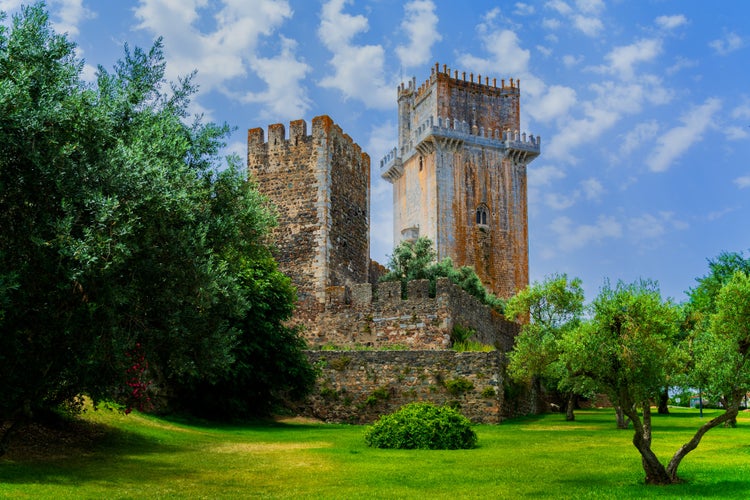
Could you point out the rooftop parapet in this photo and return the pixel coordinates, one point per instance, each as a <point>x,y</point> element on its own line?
<point>519,145</point>
<point>513,86</point>
<point>322,125</point>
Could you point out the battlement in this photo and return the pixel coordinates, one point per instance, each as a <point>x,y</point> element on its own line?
<point>322,127</point>
<point>378,315</point>
<point>437,75</point>
<point>519,145</point>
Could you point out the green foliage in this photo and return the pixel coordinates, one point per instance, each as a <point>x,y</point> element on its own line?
<point>125,234</point>
<point>489,392</point>
<point>722,352</point>
<point>548,310</point>
<point>627,348</point>
<point>413,260</point>
<point>422,426</point>
<point>461,334</point>
<point>340,363</point>
<point>472,346</point>
<point>458,386</point>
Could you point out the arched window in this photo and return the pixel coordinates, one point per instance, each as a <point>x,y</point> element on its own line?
<point>482,215</point>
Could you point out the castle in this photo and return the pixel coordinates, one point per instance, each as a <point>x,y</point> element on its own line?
<point>459,178</point>
<point>459,174</point>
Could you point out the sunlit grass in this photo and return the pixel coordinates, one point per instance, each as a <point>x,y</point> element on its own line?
<point>541,457</point>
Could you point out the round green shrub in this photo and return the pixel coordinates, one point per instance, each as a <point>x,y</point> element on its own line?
<point>422,426</point>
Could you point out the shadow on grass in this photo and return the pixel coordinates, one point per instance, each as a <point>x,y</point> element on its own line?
<point>81,452</point>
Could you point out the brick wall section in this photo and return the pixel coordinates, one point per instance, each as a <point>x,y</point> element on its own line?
<point>378,317</point>
<point>359,386</point>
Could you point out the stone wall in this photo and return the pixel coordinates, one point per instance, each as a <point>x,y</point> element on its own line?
<point>359,386</point>
<point>320,186</point>
<point>379,317</point>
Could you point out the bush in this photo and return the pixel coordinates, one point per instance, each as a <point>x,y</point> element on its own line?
<point>422,426</point>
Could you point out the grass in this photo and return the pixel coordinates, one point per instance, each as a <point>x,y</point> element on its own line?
<point>543,457</point>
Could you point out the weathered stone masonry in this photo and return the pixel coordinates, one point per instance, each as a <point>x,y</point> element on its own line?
<point>459,177</point>
<point>320,185</point>
<point>418,322</point>
<point>359,386</point>
<point>459,174</point>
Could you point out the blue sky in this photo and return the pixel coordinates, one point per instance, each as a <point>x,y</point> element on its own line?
<point>643,106</point>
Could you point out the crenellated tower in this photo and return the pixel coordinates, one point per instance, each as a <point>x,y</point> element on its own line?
<point>459,174</point>
<point>320,185</point>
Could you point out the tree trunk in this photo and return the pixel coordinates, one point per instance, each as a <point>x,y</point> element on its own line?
<point>569,407</point>
<point>727,416</point>
<point>536,394</point>
<point>664,401</point>
<point>655,471</point>
<point>8,435</point>
<point>622,422</point>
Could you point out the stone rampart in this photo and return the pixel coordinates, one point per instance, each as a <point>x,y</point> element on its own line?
<point>379,317</point>
<point>359,386</point>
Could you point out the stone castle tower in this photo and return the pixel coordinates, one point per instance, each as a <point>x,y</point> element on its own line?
<point>320,185</point>
<point>459,174</point>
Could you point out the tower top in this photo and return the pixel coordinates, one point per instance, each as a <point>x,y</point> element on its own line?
<point>461,79</point>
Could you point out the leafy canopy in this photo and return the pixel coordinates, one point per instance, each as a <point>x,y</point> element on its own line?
<point>131,255</point>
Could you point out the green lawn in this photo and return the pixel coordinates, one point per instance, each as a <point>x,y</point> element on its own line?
<point>541,457</point>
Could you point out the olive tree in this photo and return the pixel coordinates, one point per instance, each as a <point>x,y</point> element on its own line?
<point>628,350</point>
<point>546,310</point>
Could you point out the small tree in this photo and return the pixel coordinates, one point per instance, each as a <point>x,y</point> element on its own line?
<point>552,308</point>
<point>414,260</point>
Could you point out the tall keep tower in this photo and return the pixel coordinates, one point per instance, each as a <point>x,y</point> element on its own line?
<point>459,174</point>
<point>320,185</point>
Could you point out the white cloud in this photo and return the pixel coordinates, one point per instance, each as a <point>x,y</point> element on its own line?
<point>742,182</point>
<point>420,23</point>
<point>505,52</point>
<point>590,6</point>
<point>10,6</point>
<point>623,59</point>
<point>742,112</point>
<point>571,237</point>
<point>560,7</point>
<point>551,23</point>
<point>545,51</point>
<point>284,97</point>
<point>643,133</point>
<point>729,43</point>
<point>557,201</point>
<point>524,9</point>
<point>681,63</point>
<point>671,22</point>
<point>584,17</point>
<point>589,26</point>
<point>68,15</point>
<point>358,69</point>
<point>592,189</point>
<point>219,55</point>
<point>735,133</point>
<point>554,103</point>
<point>570,60</point>
<point>544,176</point>
<point>673,143</point>
<point>649,226</point>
